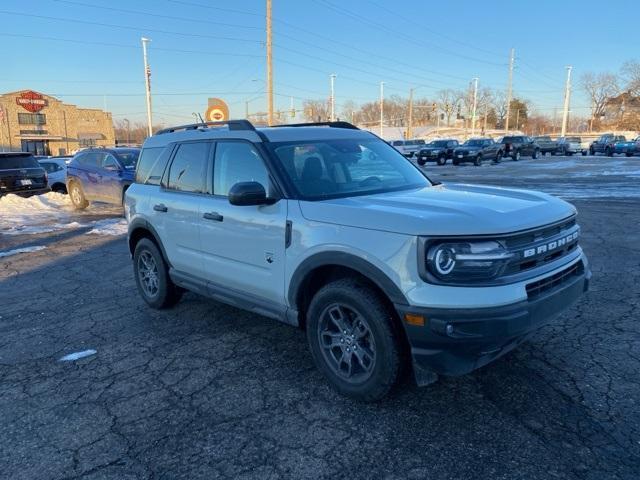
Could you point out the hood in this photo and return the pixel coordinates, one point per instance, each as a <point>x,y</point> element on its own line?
<point>467,149</point>
<point>453,209</point>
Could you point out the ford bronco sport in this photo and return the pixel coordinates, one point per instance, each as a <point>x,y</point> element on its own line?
<point>329,228</point>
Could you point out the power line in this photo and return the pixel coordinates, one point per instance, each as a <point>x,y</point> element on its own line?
<point>156,15</point>
<point>127,27</point>
<point>379,26</point>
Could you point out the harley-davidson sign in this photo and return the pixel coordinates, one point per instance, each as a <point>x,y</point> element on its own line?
<point>32,101</point>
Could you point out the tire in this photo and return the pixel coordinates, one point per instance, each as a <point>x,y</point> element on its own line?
<point>592,152</point>
<point>441,160</point>
<point>498,158</point>
<point>534,155</point>
<point>478,160</point>
<point>516,156</point>
<point>76,194</point>
<point>158,290</point>
<point>348,305</point>
<point>455,162</point>
<point>421,161</point>
<point>584,153</point>
<point>628,154</point>
<point>609,152</point>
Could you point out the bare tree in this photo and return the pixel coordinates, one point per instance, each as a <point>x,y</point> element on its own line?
<point>447,103</point>
<point>316,110</point>
<point>499,105</point>
<point>631,74</point>
<point>600,87</point>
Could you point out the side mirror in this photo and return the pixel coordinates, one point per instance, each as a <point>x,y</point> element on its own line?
<point>249,193</point>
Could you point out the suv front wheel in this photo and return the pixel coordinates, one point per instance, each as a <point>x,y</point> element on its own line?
<point>76,194</point>
<point>152,276</point>
<point>353,341</point>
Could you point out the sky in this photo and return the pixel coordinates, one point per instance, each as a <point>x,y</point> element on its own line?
<point>88,52</point>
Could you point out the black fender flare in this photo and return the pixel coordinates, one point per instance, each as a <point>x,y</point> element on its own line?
<point>140,223</point>
<point>342,259</point>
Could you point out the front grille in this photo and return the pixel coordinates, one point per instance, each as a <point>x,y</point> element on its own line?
<point>539,287</point>
<point>542,246</point>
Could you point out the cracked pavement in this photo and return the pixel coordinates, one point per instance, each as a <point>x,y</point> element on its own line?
<point>208,391</point>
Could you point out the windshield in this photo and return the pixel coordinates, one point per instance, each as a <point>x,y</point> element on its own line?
<point>129,158</point>
<point>18,161</point>
<point>474,143</point>
<point>342,168</point>
<point>438,143</point>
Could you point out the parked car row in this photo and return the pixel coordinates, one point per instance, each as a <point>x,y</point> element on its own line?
<point>476,150</point>
<point>94,174</point>
<point>611,144</point>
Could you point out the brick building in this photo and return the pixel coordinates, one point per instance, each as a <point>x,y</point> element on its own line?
<point>38,123</point>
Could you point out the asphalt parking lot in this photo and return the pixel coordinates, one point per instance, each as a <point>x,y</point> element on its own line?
<point>208,391</point>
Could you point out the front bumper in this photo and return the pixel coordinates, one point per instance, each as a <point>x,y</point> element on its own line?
<point>458,341</point>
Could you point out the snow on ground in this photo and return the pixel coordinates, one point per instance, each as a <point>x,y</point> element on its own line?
<point>110,226</point>
<point>45,213</point>
<point>16,251</point>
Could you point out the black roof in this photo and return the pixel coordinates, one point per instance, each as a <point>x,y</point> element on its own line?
<point>13,154</point>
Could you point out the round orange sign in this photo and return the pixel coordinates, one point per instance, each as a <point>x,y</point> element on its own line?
<point>218,111</point>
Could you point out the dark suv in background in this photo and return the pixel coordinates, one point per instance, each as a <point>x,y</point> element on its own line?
<point>437,151</point>
<point>476,150</point>
<point>606,144</point>
<point>20,173</point>
<point>517,146</point>
<point>101,174</point>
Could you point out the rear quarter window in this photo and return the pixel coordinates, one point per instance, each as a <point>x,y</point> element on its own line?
<point>8,162</point>
<point>151,165</point>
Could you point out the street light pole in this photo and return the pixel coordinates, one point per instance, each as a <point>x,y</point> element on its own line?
<point>475,104</point>
<point>381,109</point>
<point>128,130</point>
<point>410,122</point>
<point>509,90</point>
<point>147,83</point>
<point>567,99</point>
<point>332,116</point>
<point>269,67</point>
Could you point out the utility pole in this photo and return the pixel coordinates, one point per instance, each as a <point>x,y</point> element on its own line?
<point>517,118</point>
<point>381,109</point>
<point>475,105</point>
<point>332,116</point>
<point>128,129</point>
<point>567,99</point>
<point>484,125</point>
<point>410,122</point>
<point>509,89</point>
<point>147,83</point>
<point>269,68</point>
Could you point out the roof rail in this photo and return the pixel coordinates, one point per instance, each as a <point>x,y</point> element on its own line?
<point>338,124</point>
<point>232,124</point>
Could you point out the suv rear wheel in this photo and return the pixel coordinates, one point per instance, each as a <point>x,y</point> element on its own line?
<point>77,196</point>
<point>516,155</point>
<point>152,276</point>
<point>353,341</point>
<point>421,161</point>
<point>441,160</point>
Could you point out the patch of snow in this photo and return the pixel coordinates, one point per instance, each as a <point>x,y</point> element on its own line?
<point>77,355</point>
<point>44,213</point>
<point>110,226</point>
<point>16,251</point>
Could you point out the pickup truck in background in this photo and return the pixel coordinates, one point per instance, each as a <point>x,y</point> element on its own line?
<point>628,147</point>
<point>516,146</point>
<point>547,145</point>
<point>408,148</point>
<point>606,144</point>
<point>570,145</point>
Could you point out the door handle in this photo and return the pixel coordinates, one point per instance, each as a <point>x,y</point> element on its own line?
<point>161,207</point>
<point>213,216</point>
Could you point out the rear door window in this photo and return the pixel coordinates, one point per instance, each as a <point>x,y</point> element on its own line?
<point>151,166</point>
<point>9,162</point>
<point>188,169</point>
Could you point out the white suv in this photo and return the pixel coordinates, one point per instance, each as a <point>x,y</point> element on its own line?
<point>328,228</point>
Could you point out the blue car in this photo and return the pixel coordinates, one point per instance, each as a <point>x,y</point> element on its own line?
<point>101,175</point>
<point>628,148</point>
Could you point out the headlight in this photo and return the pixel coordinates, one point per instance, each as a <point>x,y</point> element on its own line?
<point>467,261</point>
